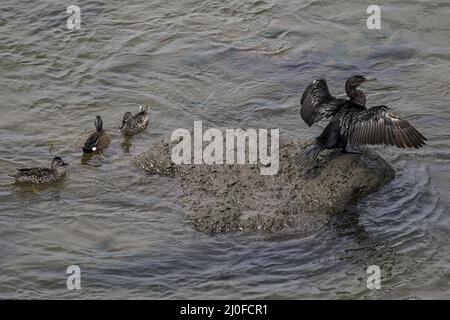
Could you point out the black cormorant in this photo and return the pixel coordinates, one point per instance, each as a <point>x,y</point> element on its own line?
<point>351,123</point>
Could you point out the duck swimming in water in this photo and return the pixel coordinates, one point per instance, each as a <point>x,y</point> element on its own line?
<point>97,140</point>
<point>56,171</point>
<point>351,123</point>
<point>133,124</point>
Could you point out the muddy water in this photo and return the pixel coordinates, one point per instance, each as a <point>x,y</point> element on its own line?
<point>229,64</point>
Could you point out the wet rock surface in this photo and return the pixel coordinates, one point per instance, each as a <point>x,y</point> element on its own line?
<point>226,197</point>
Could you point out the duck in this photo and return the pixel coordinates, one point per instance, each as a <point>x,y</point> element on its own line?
<point>97,140</point>
<point>351,123</point>
<point>56,172</point>
<point>133,124</point>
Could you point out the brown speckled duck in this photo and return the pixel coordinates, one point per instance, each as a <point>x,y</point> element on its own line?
<point>97,140</point>
<point>133,124</point>
<point>56,172</point>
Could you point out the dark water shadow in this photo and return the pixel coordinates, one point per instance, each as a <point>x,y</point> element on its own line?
<point>126,144</point>
<point>94,159</point>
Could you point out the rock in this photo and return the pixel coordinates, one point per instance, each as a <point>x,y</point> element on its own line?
<point>237,197</point>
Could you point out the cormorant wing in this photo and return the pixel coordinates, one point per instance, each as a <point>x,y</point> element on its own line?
<point>317,102</point>
<point>379,125</point>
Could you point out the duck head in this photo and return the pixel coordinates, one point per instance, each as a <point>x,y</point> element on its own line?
<point>126,117</point>
<point>58,164</point>
<point>98,122</point>
<point>146,108</point>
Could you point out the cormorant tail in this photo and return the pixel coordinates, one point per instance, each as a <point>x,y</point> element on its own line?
<point>309,155</point>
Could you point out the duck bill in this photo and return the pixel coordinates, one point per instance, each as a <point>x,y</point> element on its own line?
<point>123,123</point>
<point>65,164</point>
<point>370,79</point>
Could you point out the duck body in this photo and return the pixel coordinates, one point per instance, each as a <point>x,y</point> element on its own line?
<point>133,124</point>
<point>97,140</point>
<point>350,122</point>
<point>56,172</point>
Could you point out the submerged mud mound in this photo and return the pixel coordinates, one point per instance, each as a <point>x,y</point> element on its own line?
<point>237,197</point>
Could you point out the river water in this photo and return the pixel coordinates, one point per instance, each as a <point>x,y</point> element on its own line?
<point>232,64</point>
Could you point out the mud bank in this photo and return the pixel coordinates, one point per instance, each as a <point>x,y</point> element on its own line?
<point>223,198</point>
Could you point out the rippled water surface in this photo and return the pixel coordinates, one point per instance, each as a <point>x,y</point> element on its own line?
<point>233,64</point>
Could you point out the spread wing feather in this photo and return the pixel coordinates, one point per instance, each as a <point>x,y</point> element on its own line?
<point>317,102</point>
<point>379,125</point>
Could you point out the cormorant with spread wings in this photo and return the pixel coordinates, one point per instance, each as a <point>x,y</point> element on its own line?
<point>351,123</point>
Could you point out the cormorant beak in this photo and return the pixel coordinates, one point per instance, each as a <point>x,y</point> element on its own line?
<point>370,79</point>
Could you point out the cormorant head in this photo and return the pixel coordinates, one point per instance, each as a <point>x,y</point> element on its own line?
<point>354,94</point>
<point>58,162</point>
<point>125,118</point>
<point>357,80</point>
<point>98,123</point>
